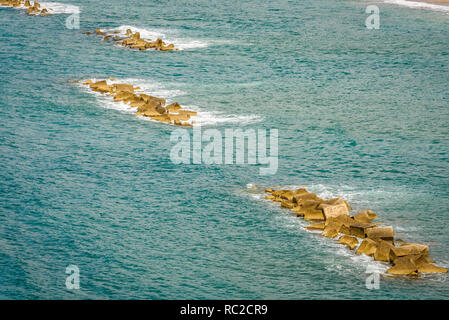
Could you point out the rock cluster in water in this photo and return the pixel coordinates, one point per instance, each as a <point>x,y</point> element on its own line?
<point>332,217</point>
<point>134,41</point>
<point>147,106</point>
<point>33,10</point>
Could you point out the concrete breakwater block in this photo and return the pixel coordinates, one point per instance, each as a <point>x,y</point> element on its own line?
<point>147,106</point>
<point>350,241</point>
<point>367,247</point>
<point>32,10</point>
<point>133,40</point>
<point>384,233</point>
<point>332,217</point>
<point>365,216</point>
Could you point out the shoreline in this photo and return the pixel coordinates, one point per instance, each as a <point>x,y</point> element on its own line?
<point>436,5</point>
<point>442,2</point>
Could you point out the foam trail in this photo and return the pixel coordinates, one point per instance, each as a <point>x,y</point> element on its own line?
<point>205,118</point>
<point>419,5</point>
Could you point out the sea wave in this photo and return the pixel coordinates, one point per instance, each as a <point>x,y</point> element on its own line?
<point>169,36</point>
<point>419,5</point>
<point>157,89</point>
<point>206,118</point>
<point>356,196</point>
<point>60,8</point>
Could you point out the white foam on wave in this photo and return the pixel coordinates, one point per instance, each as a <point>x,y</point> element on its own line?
<point>207,118</point>
<point>168,36</point>
<point>60,8</point>
<point>154,88</point>
<point>148,87</point>
<point>343,256</point>
<point>346,192</point>
<point>151,87</point>
<point>419,5</point>
<point>405,229</point>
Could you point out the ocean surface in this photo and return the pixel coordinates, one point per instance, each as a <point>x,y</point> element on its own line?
<point>362,114</point>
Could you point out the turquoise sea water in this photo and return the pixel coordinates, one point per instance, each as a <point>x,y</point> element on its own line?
<point>361,114</point>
